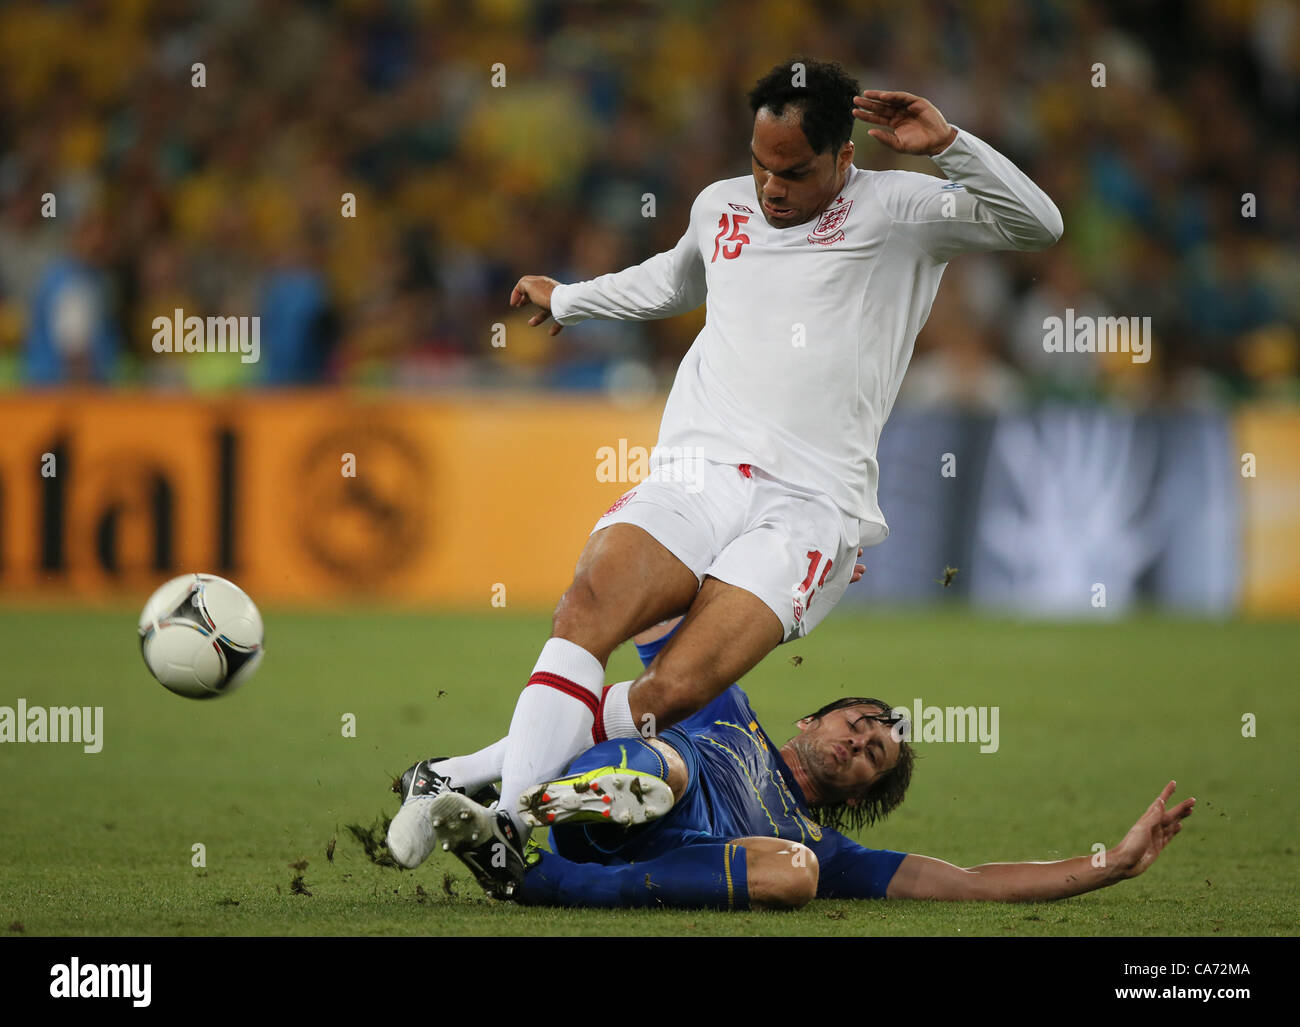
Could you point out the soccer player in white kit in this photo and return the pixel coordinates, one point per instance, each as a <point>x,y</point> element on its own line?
<point>818,276</point>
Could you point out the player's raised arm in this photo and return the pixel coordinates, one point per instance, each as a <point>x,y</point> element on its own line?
<point>667,284</point>
<point>922,877</point>
<point>997,206</point>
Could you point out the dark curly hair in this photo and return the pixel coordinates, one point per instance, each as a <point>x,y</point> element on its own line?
<point>825,100</point>
<point>879,799</point>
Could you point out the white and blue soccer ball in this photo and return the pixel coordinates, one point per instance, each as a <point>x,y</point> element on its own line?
<point>201,636</point>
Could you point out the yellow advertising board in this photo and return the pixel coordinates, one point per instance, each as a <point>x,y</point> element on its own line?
<point>336,497</point>
<point>307,497</point>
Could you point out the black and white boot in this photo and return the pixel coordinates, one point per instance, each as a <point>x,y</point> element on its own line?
<point>485,840</point>
<point>412,835</point>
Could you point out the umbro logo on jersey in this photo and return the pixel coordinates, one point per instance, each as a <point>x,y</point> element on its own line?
<point>741,206</point>
<point>828,226</point>
<point>619,503</point>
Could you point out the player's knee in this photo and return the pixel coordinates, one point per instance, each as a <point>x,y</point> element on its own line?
<point>577,610</point>
<point>668,695</point>
<point>781,878</point>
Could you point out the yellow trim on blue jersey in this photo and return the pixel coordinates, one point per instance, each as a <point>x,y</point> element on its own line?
<point>726,864</point>
<point>790,808</point>
<point>745,770</point>
<point>806,826</point>
<point>663,767</point>
<point>752,731</point>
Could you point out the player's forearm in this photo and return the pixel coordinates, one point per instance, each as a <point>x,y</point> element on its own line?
<point>1026,214</point>
<point>1037,882</point>
<point>662,286</point>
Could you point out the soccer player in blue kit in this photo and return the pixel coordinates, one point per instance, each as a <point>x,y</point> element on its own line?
<point>712,813</point>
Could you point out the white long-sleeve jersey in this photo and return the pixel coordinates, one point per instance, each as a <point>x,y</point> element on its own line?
<point>809,329</point>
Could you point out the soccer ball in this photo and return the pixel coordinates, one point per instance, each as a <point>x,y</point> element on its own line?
<point>201,636</point>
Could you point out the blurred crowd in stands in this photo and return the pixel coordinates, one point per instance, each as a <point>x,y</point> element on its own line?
<point>473,141</point>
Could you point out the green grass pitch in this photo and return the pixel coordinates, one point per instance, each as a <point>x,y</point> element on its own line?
<point>1094,719</point>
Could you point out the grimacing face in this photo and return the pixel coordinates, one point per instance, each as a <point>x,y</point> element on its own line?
<point>846,751</point>
<point>793,184</point>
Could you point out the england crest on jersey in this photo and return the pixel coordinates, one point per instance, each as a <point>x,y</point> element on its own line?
<point>828,226</point>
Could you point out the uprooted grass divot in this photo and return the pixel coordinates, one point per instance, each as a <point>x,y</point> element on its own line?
<point>374,840</point>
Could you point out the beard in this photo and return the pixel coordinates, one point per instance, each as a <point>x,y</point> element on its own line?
<point>819,765</point>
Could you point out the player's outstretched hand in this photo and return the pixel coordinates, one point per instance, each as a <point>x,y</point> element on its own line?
<point>1150,834</point>
<point>858,569</point>
<point>536,289</point>
<point>912,123</point>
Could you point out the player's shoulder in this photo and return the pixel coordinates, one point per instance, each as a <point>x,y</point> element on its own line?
<point>727,193</point>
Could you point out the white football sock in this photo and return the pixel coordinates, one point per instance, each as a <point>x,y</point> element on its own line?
<point>475,771</point>
<point>552,721</point>
<point>616,713</point>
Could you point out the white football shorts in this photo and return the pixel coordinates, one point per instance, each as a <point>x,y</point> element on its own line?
<point>792,548</point>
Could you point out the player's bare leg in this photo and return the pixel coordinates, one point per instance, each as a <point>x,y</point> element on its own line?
<point>625,581</point>
<point>725,634</point>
